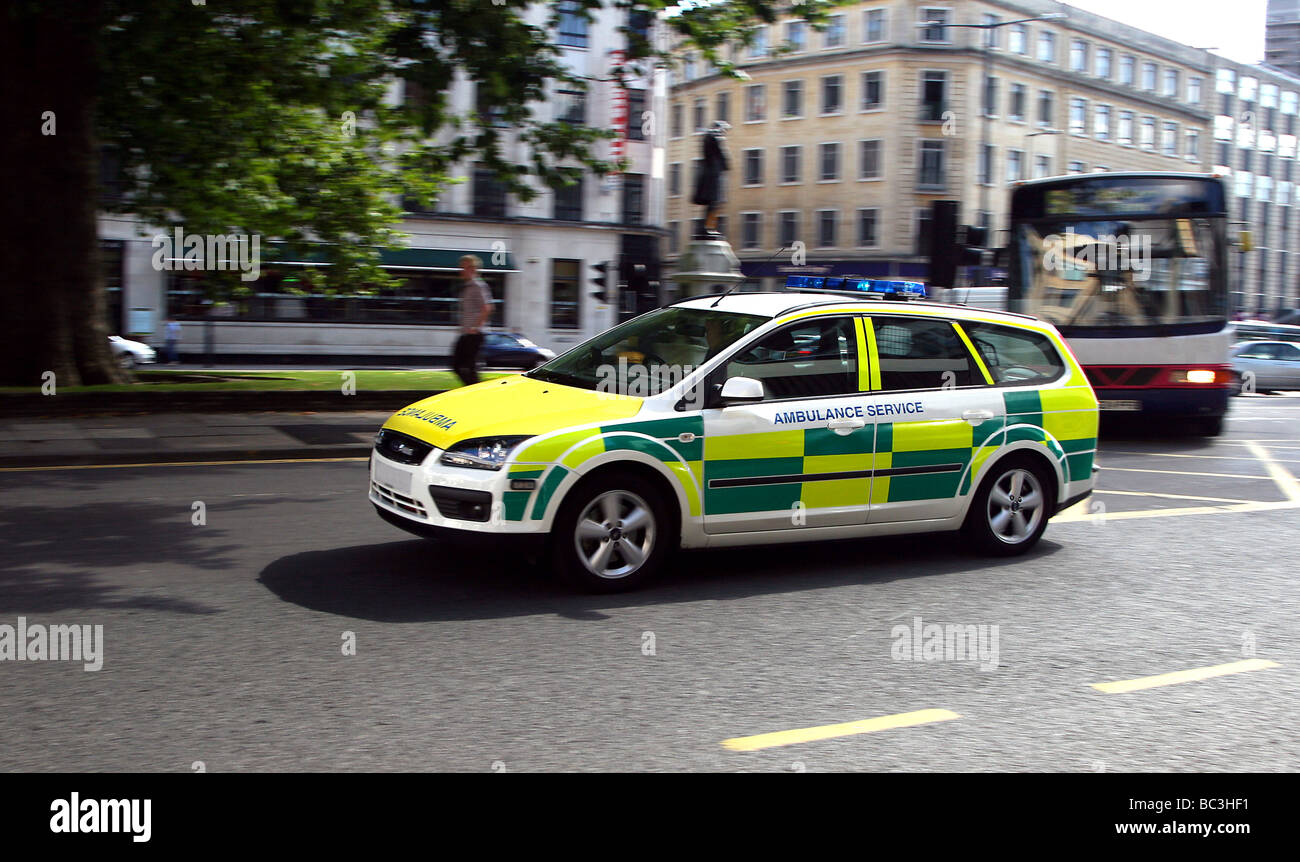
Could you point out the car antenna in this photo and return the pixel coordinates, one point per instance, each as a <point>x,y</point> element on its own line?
<point>728,291</point>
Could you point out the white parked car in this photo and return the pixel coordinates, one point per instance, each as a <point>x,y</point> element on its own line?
<point>1267,365</point>
<point>132,353</point>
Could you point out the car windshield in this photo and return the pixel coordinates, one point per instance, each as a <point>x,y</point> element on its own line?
<point>648,354</point>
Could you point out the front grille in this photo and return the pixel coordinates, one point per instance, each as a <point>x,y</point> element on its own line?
<point>402,448</point>
<point>461,504</point>
<point>401,502</point>
<point>1120,376</point>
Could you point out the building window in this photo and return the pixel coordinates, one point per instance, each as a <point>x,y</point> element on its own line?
<point>834,34</point>
<point>873,91</point>
<point>571,107</point>
<point>1126,69</point>
<point>830,162</point>
<point>1193,148</point>
<point>1076,167</point>
<point>572,30</point>
<point>827,228</point>
<point>869,160</point>
<point>724,107</point>
<point>1045,108</point>
<point>1078,116</point>
<point>1018,39</point>
<point>792,99</point>
<point>992,39</point>
<point>751,230</point>
<point>1149,76</point>
<point>1125,127</point>
<point>688,67</point>
<point>1015,166</point>
<point>796,35</point>
<point>1078,55</point>
<point>1103,63</point>
<point>677,119</point>
<point>1169,139</point>
<point>489,194</point>
<point>633,198</point>
<point>923,231</point>
<point>636,108</point>
<point>931,174</point>
<point>1194,87</point>
<point>936,21</point>
<point>755,103</point>
<point>701,116</point>
<point>1148,140</point>
<point>753,167</point>
<point>674,237</point>
<point>873,26</point>
<point>1016,107</point>
<point>789,227</point>
<point>790,163</point>
<point>564,293</point>
<point>1101,122</point>
<point>986,165</point>
<point>832,87</point>
<point>568,201</point>
<point>1047,46</point>
<point>1042,167</point>
<point>1171,83</point>
<point>868,236</point>
<point>934,96</point>
<point>758,47</point>
<point>990,96</point>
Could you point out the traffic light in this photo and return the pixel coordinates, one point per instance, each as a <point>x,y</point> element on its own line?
<point>943,243</point>
<point>601,280</point>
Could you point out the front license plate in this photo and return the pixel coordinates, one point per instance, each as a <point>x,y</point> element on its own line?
<point>1128,406</point>
<point>394,478</point>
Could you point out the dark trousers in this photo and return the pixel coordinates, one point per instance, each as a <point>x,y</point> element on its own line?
<point>464,359</point>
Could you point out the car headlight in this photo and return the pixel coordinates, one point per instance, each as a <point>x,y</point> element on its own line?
<point>481,453</point>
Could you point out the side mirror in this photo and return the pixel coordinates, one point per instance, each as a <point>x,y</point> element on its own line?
<point>742,390</point>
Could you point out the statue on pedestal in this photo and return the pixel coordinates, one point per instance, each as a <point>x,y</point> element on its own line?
<point>708,185</point>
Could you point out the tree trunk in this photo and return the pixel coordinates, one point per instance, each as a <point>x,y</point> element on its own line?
<point>52,300</point>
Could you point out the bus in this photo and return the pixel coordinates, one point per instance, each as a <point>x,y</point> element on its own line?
<point>1132,268</point>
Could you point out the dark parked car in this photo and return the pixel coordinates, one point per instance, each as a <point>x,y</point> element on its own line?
<point>512,350</point>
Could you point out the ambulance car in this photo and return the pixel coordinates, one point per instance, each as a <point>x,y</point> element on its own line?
<point>748,419</point>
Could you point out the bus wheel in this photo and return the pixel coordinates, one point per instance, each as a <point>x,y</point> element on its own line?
<point>1211,427</point>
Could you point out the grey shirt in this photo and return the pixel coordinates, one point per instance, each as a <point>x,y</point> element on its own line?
<point>474,297</point>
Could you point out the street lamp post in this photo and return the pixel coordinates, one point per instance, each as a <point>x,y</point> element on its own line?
<point>987,66</point>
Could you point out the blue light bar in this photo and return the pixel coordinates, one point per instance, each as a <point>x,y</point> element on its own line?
<point>882,288</point>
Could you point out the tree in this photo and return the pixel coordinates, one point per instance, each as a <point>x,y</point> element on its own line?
<point>271,118</point>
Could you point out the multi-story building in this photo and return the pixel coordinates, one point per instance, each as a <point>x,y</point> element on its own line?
<point>1282,35</point>
<point>537,255</point>
<point>1254,143</point>
<point>842,139</point>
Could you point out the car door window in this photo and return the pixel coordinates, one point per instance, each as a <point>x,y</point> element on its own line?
<point>1015,355</point>
<point>1289,352</point>
<point>922,353</point>
<point>808,359</point>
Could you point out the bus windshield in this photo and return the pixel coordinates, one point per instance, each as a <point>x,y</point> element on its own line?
<point>1080,273</point>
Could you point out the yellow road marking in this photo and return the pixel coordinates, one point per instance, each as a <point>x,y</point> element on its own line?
<point>179,464</point>
<point>1280,474</point>
<point>1079,512</point>
<point>832,731</point>
<point>1178,676</point>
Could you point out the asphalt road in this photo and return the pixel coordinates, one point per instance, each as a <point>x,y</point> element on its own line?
<point>223,641</point>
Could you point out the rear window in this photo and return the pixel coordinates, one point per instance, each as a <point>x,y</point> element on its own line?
<point>1015,355</point>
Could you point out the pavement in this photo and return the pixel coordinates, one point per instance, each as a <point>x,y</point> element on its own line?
<point>174,437</point>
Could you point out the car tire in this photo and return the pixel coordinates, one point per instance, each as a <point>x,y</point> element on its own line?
<point>592,545</point>
<point>996,523</point>
<point>128,361</point>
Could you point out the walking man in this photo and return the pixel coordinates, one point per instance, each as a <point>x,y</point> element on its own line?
<point>475,309</point>
<point>172,336</point>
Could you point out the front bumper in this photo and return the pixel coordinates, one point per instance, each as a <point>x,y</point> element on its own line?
<point>1187,401</point>
<point>430,498</point>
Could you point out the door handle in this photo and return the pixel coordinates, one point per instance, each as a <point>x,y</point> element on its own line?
<point>975,417</point>
<point>844,427</point>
